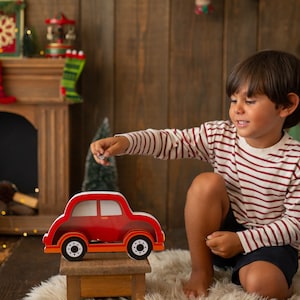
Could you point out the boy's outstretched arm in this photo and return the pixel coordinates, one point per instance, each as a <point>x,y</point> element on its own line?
<point>104,148</point>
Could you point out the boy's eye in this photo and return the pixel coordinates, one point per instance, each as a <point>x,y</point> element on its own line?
<point>246,101</point>
<point>250,101</point>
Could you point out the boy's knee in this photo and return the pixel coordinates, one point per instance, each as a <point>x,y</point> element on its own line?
<point>253,283</point>
<point>269,283</point>
<point>210,190</point>
<point>207,182</point>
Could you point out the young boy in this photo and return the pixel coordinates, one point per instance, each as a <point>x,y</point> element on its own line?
<point>246,214</point>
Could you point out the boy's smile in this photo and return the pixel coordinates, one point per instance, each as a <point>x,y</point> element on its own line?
<point>256,119</point>
<point>241,123</point>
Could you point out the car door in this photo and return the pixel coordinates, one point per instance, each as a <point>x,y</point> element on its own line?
<point>84,218</point>
<point>112,221</point>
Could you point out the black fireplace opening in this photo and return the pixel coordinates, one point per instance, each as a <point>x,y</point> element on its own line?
<point>18,152</point>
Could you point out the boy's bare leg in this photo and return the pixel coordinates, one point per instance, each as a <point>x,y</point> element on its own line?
<point>265,279</point>
<point>206,206</point>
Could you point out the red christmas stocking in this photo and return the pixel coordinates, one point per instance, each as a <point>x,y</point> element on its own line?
<point>3,98</point>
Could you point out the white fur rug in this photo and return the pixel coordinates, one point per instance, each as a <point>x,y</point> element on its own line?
<point>169,269</point>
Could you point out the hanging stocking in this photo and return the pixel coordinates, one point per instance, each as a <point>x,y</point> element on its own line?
<point>3,98</point>
<point>72,70</point>
<point>203,7</point>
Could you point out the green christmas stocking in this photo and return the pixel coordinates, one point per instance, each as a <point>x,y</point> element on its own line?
<point>72,70</point>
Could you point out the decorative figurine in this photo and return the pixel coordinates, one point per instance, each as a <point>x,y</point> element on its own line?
<point>28,43</point>
<point>99,221</point>
<point>203,7</point>
<point>60,34</point>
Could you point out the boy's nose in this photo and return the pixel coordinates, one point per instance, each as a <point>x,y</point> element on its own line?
<point>239,108</point>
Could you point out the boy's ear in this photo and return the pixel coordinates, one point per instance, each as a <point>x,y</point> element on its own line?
<point>294,102</point>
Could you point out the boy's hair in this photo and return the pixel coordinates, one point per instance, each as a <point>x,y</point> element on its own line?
<point>271,73</point>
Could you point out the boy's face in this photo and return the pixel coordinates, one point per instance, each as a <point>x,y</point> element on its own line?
<point>256,119</point>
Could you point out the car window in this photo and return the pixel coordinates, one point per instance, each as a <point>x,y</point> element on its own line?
<point>85,208</point>
<point>110,208</point>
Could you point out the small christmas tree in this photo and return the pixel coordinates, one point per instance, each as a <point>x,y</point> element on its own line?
<point>98,177</point>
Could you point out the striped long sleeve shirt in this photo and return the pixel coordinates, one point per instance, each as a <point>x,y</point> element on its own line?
<point>263,185</point>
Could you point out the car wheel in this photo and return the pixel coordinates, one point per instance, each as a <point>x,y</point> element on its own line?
<point>139,247</point>
<point>73,248</point>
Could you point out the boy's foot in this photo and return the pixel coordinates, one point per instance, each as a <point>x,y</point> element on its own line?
<point>197,285</point>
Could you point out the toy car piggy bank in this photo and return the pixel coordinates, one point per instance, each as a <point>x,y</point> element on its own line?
<point>103,222</point>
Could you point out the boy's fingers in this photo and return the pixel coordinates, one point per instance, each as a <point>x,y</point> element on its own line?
<point>98,147</point>
<point>101,159</point>
<point>102,149</point>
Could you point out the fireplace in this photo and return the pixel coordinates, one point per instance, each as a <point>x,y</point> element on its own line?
<point>18,148</point>
<point>43,118</point>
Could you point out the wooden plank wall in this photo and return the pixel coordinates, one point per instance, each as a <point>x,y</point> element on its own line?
<point>154,63</point>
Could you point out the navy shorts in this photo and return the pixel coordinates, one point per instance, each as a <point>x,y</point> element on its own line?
<point>284,257</point>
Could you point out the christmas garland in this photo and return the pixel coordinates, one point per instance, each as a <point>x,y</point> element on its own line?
<point>11,7</point>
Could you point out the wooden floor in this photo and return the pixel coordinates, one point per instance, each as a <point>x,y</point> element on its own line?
<point>25,267</point>
<point>23,263</point>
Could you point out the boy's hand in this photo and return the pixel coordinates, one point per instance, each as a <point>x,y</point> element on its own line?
<point>104,148</point>
<point>224,243</point>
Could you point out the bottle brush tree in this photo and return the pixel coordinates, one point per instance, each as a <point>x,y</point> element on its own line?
<point>98,177</point>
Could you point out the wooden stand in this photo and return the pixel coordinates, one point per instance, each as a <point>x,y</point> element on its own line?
<point>105,275</point>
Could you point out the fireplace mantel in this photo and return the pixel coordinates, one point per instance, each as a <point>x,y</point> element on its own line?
<point>35,82</point>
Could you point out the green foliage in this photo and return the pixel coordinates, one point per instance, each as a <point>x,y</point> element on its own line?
<point>11,7</point>
<point>98,177</point>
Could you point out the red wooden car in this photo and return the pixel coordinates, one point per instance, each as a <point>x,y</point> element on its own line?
<point>103,222</point>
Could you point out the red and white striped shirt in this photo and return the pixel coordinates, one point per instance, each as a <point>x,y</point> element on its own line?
<point>263,184</point>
